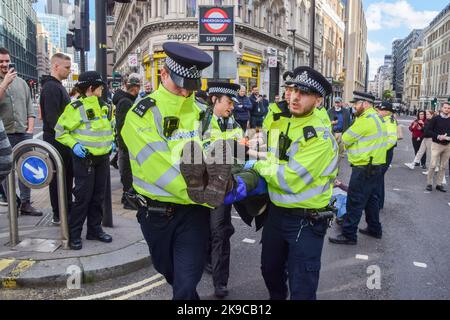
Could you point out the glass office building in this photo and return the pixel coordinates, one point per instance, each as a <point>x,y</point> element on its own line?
<point>18,35</point>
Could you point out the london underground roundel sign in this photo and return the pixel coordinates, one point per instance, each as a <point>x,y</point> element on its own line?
<point>216,25</point>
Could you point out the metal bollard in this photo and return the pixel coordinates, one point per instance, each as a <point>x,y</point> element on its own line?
<point>18,150</point>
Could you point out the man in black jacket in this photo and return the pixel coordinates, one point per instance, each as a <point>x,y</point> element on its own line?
<point>438,128</point>
<point>53,100</point>
<point>124,100</point>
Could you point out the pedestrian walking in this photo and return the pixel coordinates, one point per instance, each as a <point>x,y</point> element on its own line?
<point>366,142</point>
<point>425,146</point>
<point>157,131</point>
<point>18,116</point>
<point>439,130</point>
<point>124,100</point>
<point>258,111</point>
<point>340,120</point>
<point>53,100</point>
<point>242,109</point>
<point>386,111</point>
<point>300,188</point>
<point>417,134</point>
<point>85,127</point>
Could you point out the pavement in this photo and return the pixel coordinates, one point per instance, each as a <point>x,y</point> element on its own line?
<point>24,267</point>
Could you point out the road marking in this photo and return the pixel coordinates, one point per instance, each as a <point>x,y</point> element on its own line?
<point>10,281</point>
<point>396,189</point>
<point>37,136</point>
<point>235,217</point>
<point>141,291</point>
<point>246,240</point>
<point>361,257</point>
<point>427,192</point>
<point>5,263</point>
<point>420,264</point>
<point>119,290</point>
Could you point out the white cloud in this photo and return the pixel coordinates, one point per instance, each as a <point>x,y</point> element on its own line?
<point>383,15</point>
<point>373,47</point>
<point>375,63</point>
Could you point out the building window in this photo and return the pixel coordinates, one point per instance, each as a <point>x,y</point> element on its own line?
<point>191,8</point>
<point>166,6</point>
<point>218,2</point>
<point>240,9</point>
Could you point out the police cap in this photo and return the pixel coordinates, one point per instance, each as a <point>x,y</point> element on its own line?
<point>309,80</point>
<point>185,64</point>
<point>362,96</point>
<point>288,77</point>
<point>386,106</point>
<point>223,88</point>
<point>90,78</point>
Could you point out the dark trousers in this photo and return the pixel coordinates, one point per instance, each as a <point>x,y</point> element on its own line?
<point>221,231</point>
<point>242,124</point>
<point>291,250</point>
<point>389,157</point>
<point>178,246</point>
<point>126,176</point>
<point>66,155</point>
<point>256,122</point>
<point>416,146</point>
<point>15,139</point>
<point>363,194</point>
<point>89,192</point>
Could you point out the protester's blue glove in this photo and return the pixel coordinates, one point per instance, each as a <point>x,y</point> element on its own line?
<point>79,151</point>
<point>261,188</point>
<point>249,164</point>
<point>113,147</point>
<point>238,193</point>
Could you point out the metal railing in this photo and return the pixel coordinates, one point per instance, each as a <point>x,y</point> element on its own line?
<point>18,150</point>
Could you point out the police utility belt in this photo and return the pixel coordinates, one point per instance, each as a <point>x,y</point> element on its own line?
<point>327,213</point>
<point>139,201</point>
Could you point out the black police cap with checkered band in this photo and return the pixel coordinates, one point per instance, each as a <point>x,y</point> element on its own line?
<point>309,80</point>
<point>229,89</point>
<point>362,96</point>
<point>90,78</point>
<point>185,64</point>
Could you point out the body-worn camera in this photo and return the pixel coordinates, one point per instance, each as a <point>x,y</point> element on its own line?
<point>284,142</point>
<point>170,125</point>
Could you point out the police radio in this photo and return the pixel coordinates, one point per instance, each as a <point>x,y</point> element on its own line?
<point>170,125</point>
<point>284,142</point>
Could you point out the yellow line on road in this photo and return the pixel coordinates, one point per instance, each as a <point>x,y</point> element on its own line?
<point>119,290</point>
<point>10,281</point>
<point>5,263</point>
<point>141,291</point>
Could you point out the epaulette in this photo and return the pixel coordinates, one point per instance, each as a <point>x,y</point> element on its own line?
<point>76,104</point>
<point>143,106</point>
<point>309,132</point>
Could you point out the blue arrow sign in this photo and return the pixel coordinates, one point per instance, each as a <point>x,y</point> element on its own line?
<point>34,170</point>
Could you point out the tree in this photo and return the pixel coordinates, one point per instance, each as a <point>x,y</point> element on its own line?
<point>388,95</point>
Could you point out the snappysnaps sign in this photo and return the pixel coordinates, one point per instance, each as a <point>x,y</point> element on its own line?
<point>216,26</point>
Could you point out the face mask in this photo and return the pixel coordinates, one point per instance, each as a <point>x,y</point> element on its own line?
<point>338,108</point>
<point>353,109</point>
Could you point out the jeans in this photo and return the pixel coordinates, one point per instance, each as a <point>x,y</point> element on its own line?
<point>291,251</point>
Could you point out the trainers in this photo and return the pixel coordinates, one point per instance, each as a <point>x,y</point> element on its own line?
<point>56,221</point>
<point>424,167</point>
<point>425,172</point>
<point>441,188</point>
<point>192,168</point>
<point>429,187</point>
<point>3,200</point>
<point>218,165</point>
<point>411,165</point>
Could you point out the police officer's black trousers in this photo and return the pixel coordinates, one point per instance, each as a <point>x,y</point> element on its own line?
<point>66,155</point>
<point>291,250</point>
<point>389,157</point>
<point>363,195</point>
<point>221,231</point>
<point>178,246</point>
<point>89,192</point>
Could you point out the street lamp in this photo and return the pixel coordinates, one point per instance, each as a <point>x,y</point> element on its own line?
<point>312,39</point>
<point>293,46</point>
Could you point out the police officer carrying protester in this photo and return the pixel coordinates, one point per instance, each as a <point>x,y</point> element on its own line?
<point>365,142</point>
<point>220,124</point>
<point>156,131</point>
<point>386,111</point>
<point>84,127</point>
<point>300,188</point>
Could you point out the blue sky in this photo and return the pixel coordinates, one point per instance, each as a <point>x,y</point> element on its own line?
<point>394,19</point>
<point>40,7</point>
